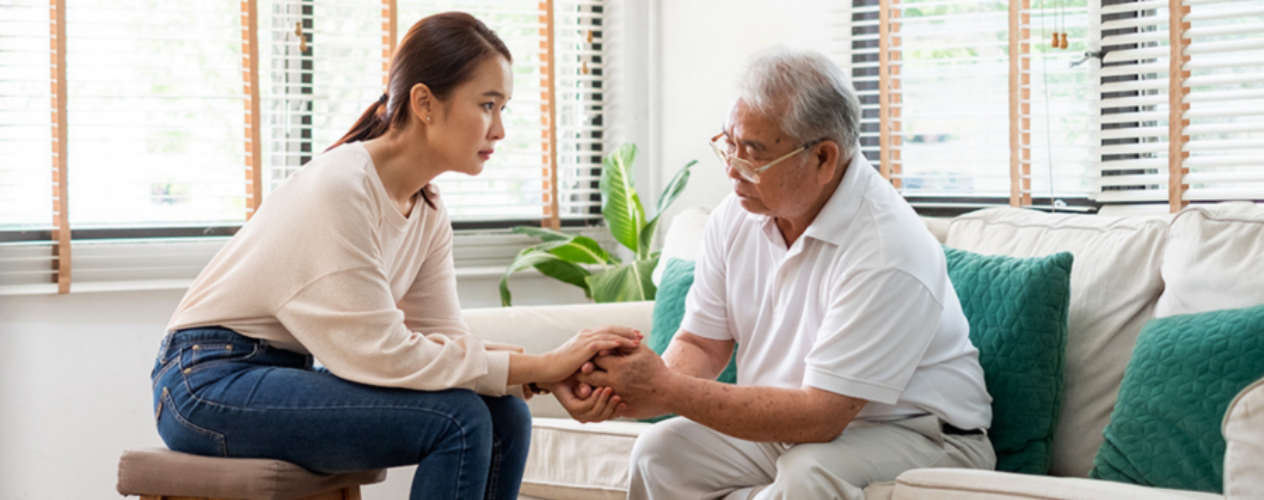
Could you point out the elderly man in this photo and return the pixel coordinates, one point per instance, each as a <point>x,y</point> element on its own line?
<point>854,362</point>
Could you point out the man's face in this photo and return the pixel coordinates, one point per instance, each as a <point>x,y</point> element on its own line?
<point>785,190</point>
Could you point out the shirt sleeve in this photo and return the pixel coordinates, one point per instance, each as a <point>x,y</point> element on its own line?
<point>346,316</point>
<point>874,334</point>
<point>706,305</point>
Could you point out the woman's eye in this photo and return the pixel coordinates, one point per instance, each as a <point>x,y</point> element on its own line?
<point>489,105</point>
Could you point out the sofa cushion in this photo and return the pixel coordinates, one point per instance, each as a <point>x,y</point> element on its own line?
<point>1243,430</point>
<point>963,484</point>
<point>683,239</point>
<point>1114,285</point>
<point>1209,250</point>
<point>669,311</point>
<point>1165,430</point>
<point>1017,309</point>
<point>569,460</point>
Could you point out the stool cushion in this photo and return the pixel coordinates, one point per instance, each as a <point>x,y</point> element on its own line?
<point>159,471</point>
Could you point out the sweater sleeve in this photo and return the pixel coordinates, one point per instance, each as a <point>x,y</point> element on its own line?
<point>431,304</point>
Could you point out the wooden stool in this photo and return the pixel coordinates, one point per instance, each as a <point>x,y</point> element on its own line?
<point>162,474</point>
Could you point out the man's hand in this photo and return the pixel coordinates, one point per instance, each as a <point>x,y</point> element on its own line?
<point>638,375</point>
<point>584,403</point>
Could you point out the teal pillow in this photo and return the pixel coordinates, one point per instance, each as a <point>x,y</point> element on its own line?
<point>1017,310</point>
<point>1184,371</point>
<point>669,312</point>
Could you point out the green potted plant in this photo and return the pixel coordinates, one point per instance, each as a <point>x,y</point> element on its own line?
<point>568,257</point>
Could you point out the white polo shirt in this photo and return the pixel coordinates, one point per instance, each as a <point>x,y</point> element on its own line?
<point>860,305</point>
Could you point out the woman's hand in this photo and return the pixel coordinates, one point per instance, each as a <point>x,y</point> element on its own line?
<point>560,363</point>
<point>586,404</point>
<point>571,356</point>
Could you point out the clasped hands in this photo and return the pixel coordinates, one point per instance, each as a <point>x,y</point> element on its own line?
<point>614,381</point>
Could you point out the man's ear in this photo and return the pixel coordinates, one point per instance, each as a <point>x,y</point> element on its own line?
<point>422,103</point>
<point>829,156</point>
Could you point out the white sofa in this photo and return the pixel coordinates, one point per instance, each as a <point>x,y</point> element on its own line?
<point>1127,271</point>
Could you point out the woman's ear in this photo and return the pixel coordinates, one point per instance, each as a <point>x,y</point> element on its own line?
<point>422,103</point>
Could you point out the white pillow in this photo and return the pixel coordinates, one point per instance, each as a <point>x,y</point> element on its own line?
<point>683,239</point>
<point>1114,285</point>
<point>1214,259</point>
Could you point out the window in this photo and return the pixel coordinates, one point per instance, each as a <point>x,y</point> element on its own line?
<point>965,103</point>
<point>178,118</point>
<point>1182,103</point>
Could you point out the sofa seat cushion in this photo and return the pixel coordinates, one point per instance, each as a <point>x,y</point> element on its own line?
<point>1210,250</point>
<point>1165,430</point>
<point>572,461</point>
<point>1114,285</point>
<point>964,484</point>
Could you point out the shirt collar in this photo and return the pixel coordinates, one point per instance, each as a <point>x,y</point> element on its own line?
<point>829,224</point>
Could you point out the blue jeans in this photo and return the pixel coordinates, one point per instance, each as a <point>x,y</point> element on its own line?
<point>218,393</point>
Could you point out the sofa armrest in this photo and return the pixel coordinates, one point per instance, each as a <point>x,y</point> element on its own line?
<point>966,484</point>
<point>1243,430</point>
<point>541,329</point>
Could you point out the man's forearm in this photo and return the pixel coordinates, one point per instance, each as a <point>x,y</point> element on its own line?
<point>756,413</point>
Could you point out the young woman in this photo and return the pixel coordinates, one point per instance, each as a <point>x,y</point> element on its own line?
<point>350,262</point>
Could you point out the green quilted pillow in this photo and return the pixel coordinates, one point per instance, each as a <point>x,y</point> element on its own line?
<point>1184,371</point>
<point>669,311</point>
<point>1017,309</point>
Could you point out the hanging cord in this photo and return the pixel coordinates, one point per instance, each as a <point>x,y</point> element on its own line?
<point>1044,77</point>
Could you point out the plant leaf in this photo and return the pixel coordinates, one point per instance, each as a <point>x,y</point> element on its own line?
<point>620,204</point>
<point>626,283</point>
<point>543,233</point>
<point>673,190</point>
<point>579,249</point>
<point>548,264</point>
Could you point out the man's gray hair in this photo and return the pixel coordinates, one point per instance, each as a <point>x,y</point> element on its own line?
<point>805,92</point>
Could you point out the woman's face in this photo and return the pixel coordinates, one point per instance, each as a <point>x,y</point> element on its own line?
<point>465,127</point>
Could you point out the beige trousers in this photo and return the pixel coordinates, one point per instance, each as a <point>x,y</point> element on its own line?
<point>682,459</point>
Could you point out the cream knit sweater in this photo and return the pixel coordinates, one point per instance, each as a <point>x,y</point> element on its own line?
<point>329,267</point>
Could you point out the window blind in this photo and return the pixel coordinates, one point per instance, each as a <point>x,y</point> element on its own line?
<point>155,105</point>
<point>1224,82</point>
<point>1057,109</point>
<point>26,115</point>
<point>932,77</point>
<point>322,63</point>
<point>1132,155</point>
<point>565,113</point>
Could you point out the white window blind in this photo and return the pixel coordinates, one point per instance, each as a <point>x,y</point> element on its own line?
<point>183,116</point>
<point>512,186</point>
<point>1132,157</point>
<point>155,127</point>
<point>1184,130</point>
<point>948,112</point>
<point>1225,119</point>
<point>322,63</point>
<point>26,114</point>
<point>1059,116</point>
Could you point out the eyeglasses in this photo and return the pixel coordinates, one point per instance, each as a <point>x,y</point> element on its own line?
<point>744,167</point>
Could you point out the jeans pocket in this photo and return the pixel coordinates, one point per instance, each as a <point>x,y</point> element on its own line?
<point>184,436</point>
<point>211,352</point>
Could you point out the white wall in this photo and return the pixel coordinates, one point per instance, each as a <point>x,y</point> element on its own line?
<point>698,48</point>
<point>74,384</point>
